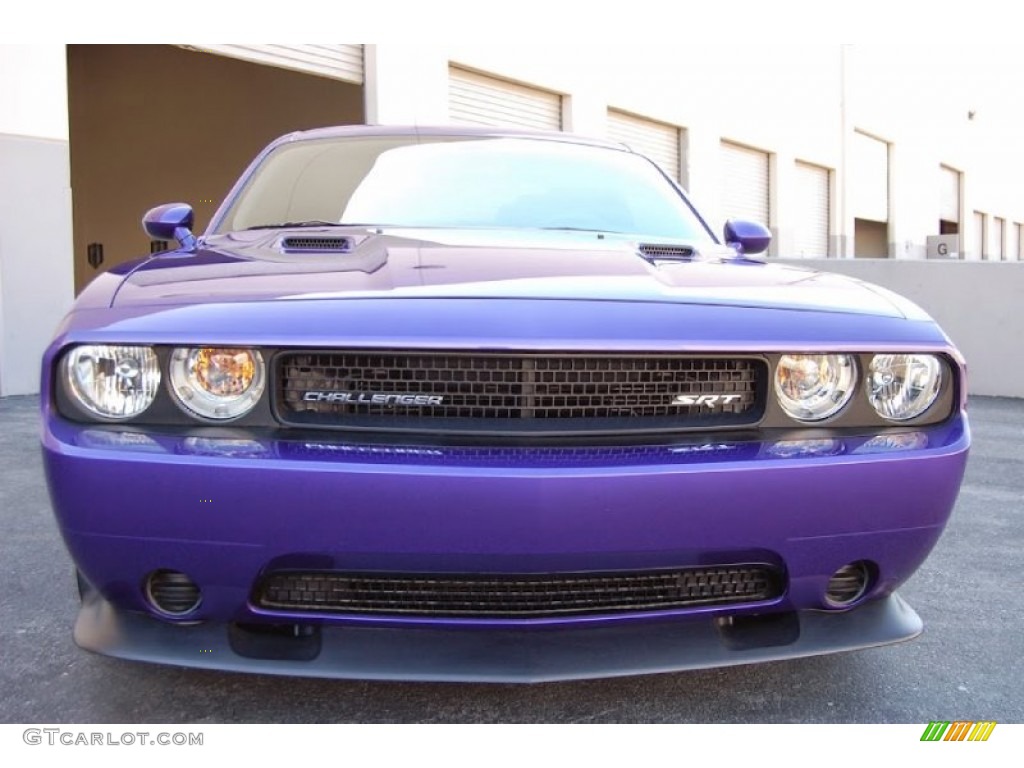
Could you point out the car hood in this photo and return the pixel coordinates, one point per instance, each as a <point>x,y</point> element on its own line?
<point>253,266</point>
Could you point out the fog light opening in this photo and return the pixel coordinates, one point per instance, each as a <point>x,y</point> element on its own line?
<point>172,593</point>
<point>849,584</point>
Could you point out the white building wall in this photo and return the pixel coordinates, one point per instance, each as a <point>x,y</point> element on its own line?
<point>36,274</point>
<point>33,79</point>
<point>405,85</point>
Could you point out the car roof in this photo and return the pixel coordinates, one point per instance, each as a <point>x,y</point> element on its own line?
<point>449,130</point>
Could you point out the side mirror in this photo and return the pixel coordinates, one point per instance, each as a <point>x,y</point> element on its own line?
<point>747,236</point>
<point>173,220</point>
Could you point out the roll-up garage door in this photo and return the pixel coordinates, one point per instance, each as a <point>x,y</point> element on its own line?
<point>340,62</point>
<point>658,141</point>
<point>1013,248</point>
<point>998,238</point>
<point>870,165</point>
<point>744,183</point>
<point>813,205</point>
<point>949,195</point>
<point>476,99</point>
<point>980,241</point>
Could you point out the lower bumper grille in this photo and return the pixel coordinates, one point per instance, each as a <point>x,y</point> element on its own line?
<point>520,596</point>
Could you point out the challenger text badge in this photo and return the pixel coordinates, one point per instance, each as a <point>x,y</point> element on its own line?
<point>371,398</point>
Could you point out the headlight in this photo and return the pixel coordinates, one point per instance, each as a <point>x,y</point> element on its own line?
<point>814,387</point>
<point>901,387</point>
<point>110,381</point>
<point>217,383</point>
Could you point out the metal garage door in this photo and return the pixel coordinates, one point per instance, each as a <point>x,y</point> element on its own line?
<point>949,195</point>
<point>813,206</point>
<point>998,238</point>
<point>340,62</point>
<point>744,183</point>
<point>870,165</point>
<point>659,141</point>
<point>476,99</point>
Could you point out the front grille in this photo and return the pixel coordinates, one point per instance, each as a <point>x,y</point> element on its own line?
<point>553,393</point>
<point>523,596</point>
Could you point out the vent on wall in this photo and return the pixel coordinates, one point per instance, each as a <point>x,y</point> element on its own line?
<point>316,244</point>
<point>94,254</point>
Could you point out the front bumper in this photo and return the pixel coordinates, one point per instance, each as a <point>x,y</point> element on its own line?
<point>226,509</point>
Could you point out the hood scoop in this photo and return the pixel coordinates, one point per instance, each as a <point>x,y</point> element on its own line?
<point>307,244</point>
<point>656,252</point>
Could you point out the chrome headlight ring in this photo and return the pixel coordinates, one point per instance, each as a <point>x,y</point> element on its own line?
<point>217,383</point>
<point>112,382</point>
<point>814,387</point>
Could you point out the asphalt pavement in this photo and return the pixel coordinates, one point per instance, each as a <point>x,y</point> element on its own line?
<point>966,665</point>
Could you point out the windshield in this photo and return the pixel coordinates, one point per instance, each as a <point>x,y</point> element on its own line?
<point>463,182</point>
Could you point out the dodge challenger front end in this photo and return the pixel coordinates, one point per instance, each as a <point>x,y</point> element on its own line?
<point>474,405</point>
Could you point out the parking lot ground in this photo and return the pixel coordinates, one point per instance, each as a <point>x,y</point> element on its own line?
<point>966,665</point>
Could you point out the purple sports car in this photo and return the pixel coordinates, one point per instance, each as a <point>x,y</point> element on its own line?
<point>457,404</point>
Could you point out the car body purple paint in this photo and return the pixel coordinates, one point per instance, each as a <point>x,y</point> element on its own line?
<point>513,430</point>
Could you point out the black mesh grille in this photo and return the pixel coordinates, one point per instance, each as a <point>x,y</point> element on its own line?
<point>316,244</point>
<point>532,596</point>
<point>509,392</point>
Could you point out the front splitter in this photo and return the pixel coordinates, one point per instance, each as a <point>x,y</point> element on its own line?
<point>497,656</point>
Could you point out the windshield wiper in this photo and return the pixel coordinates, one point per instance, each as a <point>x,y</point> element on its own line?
<point>310,223</point>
